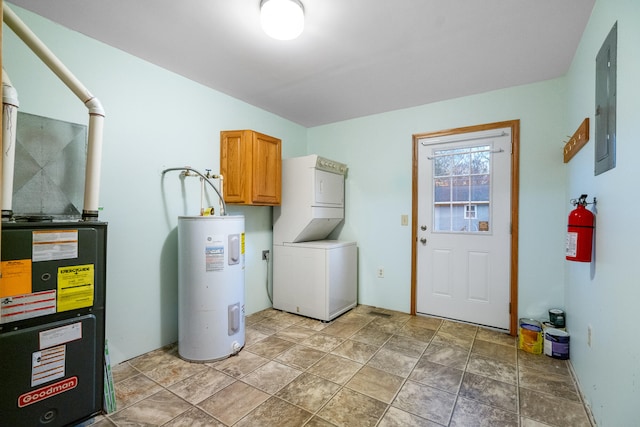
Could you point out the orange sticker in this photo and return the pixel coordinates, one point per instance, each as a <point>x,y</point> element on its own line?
<point>16,277</point>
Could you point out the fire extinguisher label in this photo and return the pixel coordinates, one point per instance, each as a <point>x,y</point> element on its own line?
<point>571,244</point>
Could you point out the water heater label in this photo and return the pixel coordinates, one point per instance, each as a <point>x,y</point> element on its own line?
<point>214,254</point>
<point>75,287</point>
<point>242,249</point>
<point>53,245</point>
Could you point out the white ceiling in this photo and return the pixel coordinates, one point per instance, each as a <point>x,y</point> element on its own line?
<point>355,57</point>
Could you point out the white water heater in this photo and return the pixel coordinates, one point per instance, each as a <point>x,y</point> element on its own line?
<point>210,287</point>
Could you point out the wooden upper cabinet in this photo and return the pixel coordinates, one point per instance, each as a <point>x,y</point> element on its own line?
<point>251,164</point>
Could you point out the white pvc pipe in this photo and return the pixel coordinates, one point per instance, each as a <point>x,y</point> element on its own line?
<point>96,112</point>
<point>45,55</point>
<point>10,106</point>
<point>94,163</point>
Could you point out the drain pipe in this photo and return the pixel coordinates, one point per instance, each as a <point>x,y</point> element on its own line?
<point>96,112</point>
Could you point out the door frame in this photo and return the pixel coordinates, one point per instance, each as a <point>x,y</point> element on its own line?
<point>514,125</point>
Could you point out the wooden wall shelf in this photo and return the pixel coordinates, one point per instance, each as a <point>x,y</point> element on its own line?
<point>577,141</point>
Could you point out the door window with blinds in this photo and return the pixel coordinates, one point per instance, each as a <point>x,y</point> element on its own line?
<point>462,189</point>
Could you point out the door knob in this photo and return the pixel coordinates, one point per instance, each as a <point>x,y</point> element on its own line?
<point>423,241</point>
<point>423,227</point>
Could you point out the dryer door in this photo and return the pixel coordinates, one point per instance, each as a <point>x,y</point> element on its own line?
<point>329,189</point>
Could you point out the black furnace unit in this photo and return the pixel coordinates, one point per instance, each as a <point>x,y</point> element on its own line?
<point>52,322</point>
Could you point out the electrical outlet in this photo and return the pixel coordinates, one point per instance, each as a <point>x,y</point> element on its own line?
<point>589,335</point>
<point>380,272</point>
<point>265,255</point>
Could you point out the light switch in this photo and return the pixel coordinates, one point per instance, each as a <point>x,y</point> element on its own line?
<point>404,219</point>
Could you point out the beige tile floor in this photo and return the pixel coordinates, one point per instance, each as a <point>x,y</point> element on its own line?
<point>369,367</point>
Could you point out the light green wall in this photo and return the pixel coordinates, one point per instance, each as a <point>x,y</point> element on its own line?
<point>154,119</point>
<point>606,294</point>
<point>378,151</point>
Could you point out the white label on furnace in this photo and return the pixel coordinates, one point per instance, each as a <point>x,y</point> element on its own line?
<point>20,307</point>
<point>571,244</point>
<point>61,335</point>
<point>48,365</point>
<point>54,245</point>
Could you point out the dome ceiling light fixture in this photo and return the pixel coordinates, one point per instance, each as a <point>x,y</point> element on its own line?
<point>282,19</point>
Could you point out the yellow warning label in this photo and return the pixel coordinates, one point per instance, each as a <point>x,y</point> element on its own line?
<point>242,243</point>
<point>75,287</point>
<point>16,278</point>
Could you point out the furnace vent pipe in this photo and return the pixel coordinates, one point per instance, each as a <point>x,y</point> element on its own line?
<point>96,112</point>
<point>10,106</point>
<point>7,159</point>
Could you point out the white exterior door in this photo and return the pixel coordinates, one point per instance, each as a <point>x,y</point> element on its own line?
<point>464,227</point>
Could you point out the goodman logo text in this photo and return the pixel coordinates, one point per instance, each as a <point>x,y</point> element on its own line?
<point>35,396</point>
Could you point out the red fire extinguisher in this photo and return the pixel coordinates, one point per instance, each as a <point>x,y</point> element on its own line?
<point>580,232</point>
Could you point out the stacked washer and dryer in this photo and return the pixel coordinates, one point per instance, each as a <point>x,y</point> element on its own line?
<point>312,276</point>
